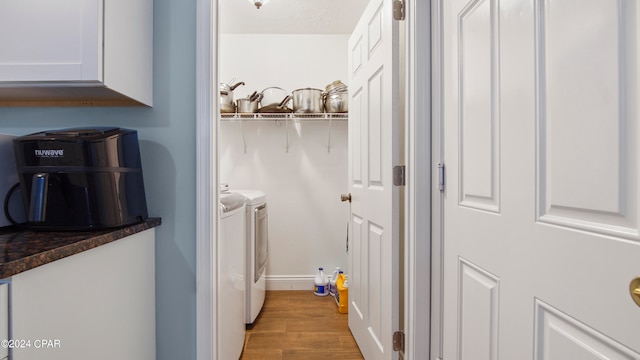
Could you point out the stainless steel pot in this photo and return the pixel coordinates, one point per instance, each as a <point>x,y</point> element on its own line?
<point>226,97</point>
<point>307,100</point>
<point>337,102</point>
<point>246,106</point>
<point>226,105</point>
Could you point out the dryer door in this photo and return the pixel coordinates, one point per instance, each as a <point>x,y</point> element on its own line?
<point>261,240</point>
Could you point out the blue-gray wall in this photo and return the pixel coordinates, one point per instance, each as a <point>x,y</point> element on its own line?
<point>167,146</point>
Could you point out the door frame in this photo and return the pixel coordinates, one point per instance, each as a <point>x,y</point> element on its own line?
<point>437,204</point>
<point>206,178</point>
<point>417,224</point>
<point>417,253</point>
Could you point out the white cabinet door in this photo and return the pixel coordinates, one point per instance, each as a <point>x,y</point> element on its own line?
<point>98,304</point>
<point>76,52</point>
<point>50,40</point>
<point>4,318</point>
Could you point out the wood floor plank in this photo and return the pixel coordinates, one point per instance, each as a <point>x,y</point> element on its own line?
<point>270,324</point>
<point>290,340</point>
<point>348,343</point>
<point>299,325</point>
<point>318,325</point>
<point>321,355</point>
<point>262,354</point>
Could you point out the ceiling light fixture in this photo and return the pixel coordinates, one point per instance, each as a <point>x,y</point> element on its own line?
<point>259,3</point>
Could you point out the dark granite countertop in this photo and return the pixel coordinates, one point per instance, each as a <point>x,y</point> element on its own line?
<point>22,250</point>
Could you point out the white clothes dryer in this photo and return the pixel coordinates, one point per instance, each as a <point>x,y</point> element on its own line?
<point>231,281</point>
<point>257,251</point>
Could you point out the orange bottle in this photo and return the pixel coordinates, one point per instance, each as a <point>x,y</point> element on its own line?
<point>342,295</point>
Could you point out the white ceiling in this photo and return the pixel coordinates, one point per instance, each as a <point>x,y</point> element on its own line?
<point>290,16</point>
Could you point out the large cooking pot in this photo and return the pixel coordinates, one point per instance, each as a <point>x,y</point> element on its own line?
<point>307,100</point>
<point>336,102</point>
<point>226,97</point>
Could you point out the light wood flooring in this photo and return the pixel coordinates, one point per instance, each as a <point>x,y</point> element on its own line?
<point>296,325</point>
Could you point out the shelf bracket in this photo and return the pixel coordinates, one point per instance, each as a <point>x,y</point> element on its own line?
<point>329,141</point>
<point>244,140</point>
<point>286,122</point>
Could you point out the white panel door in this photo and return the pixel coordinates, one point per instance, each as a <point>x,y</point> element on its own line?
<point>541,221</point>
<point>373,150</point>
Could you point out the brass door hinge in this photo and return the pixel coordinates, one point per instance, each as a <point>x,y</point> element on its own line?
<point>399,10</point>
<point>399,175</point>
<point>398,341</point>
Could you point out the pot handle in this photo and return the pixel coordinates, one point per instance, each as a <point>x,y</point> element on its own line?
<point>284,101</point>
<point>233,87</point>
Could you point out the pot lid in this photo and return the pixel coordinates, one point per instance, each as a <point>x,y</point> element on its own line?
<point>306,89</point>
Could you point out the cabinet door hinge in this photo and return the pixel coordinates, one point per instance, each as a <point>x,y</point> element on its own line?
<point>398,10</point>
<point>398,341</point>
<point>441,176</point>
<point>399,178</point>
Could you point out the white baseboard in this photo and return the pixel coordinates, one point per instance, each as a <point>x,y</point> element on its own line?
<point>290,282</point>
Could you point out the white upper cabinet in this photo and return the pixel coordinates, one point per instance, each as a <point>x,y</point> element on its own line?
<point>50,40</point>
<point>76,52</point>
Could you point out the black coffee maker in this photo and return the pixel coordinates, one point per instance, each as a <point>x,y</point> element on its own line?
<point>81,178</point>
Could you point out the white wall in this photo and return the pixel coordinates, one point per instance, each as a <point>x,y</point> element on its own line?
<point>287,61</point>
<point>167,134</point>
<point>307,221</point>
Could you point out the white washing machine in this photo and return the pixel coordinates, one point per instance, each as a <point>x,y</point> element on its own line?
<point>231,279</point>
<point>257,252</point>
